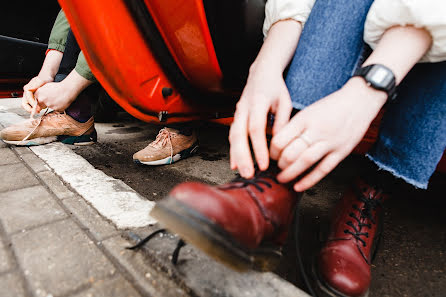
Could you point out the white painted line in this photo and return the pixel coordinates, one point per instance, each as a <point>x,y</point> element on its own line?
<point>111,197</point>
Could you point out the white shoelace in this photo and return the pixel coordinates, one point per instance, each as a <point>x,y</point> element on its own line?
<point>163,137</point>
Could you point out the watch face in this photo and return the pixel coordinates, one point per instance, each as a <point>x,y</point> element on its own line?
<point>379,77</point>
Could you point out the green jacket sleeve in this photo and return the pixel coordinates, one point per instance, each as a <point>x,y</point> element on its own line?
<point>58,39</point>
<point>83,69</point>
<point>59,33</point>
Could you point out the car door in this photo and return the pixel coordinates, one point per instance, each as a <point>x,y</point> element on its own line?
<point>25,27</point>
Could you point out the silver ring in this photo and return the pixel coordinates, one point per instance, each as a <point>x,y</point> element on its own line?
<point>305,139</point>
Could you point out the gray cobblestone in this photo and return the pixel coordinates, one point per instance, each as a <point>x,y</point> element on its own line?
<point>16,176</point>
<point>11,285</point>
<point>28,207</point>
<point>8,157</point>
<point>55,184</point>
<point>5,263</point>
<point>22,150</point>
<point>118,287</point>
<point>150,280</point>
<point>36,164</point>
<point>89,217</point>
<point>59,258</point>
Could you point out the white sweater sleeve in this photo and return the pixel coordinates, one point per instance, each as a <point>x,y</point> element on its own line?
<point>428,14</point>
<point>276,10</point>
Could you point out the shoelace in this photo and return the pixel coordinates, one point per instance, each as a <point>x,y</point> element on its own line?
<point>39,121</point>
<point>163,137</point>
<point>365,214</point>
<point>143,242</point>
<point>256,181</point>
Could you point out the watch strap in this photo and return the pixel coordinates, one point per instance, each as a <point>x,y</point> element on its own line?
<point>390,90</point>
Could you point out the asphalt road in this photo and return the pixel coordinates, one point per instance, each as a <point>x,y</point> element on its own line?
<point>411,260</point>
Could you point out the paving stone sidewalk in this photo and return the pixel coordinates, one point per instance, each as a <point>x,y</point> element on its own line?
<point>52,243</point>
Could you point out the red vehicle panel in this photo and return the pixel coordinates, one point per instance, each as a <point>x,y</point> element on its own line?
<point>124,64</point>
<point>184,28</point>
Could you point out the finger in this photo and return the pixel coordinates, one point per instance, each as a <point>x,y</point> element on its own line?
<point>28,101</point>
<point>322,169</point>
<point>239,151</point>
<point>283,112</point>
<point>34,111</point>
<point>291,153</point>
<point>307,159</point>
<point>286,134</point>
<point>257,133</point>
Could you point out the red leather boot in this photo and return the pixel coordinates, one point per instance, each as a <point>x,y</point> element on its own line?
<point>343,267</point>
<point>242,224</point>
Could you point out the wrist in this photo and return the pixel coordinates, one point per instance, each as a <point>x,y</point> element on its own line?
<point>365,93</point>
<point>264,67</point>
<point>74,84</point>
<point>45,77</point>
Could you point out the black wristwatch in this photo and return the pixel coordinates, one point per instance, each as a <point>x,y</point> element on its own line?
<point>379,77</point>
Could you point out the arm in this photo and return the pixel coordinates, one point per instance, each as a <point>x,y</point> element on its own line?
<point>59,96</point>
<point>337,123</point>
<point>265,89</point>
<point>47,73</point>
<point>56,47</point>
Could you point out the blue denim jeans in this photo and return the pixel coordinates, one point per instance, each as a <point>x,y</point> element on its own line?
<point>412,135</point>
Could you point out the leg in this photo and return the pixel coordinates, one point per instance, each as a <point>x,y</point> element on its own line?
<point>413,132</point>
<point>328,51</point>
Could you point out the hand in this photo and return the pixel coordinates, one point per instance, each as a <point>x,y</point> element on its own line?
<point>57,96</point>
<point>29,103</point>
<point>325,132</point>
<point>265,91</point>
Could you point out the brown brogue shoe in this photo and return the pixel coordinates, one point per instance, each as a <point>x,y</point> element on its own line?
<point>343,267</point>
<point>242,223</point>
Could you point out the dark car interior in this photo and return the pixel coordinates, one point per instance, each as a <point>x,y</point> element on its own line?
<point>25,27</point>
<point>236,30</point>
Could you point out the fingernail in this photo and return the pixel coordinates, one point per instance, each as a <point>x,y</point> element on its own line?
<point>297,188</point>
<point>246,172</point>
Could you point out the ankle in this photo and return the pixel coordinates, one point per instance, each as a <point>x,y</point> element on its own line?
<point>378,178</point>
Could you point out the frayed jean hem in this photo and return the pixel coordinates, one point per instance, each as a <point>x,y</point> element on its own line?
<point>394,172</point>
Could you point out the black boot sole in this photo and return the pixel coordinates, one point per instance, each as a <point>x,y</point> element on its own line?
<point>212,239</point>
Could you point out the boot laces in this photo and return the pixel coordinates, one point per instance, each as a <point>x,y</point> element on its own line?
<point>256,181</point>
<point>164,137</point>
<point>365,216</point>
<point>142,242</point>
